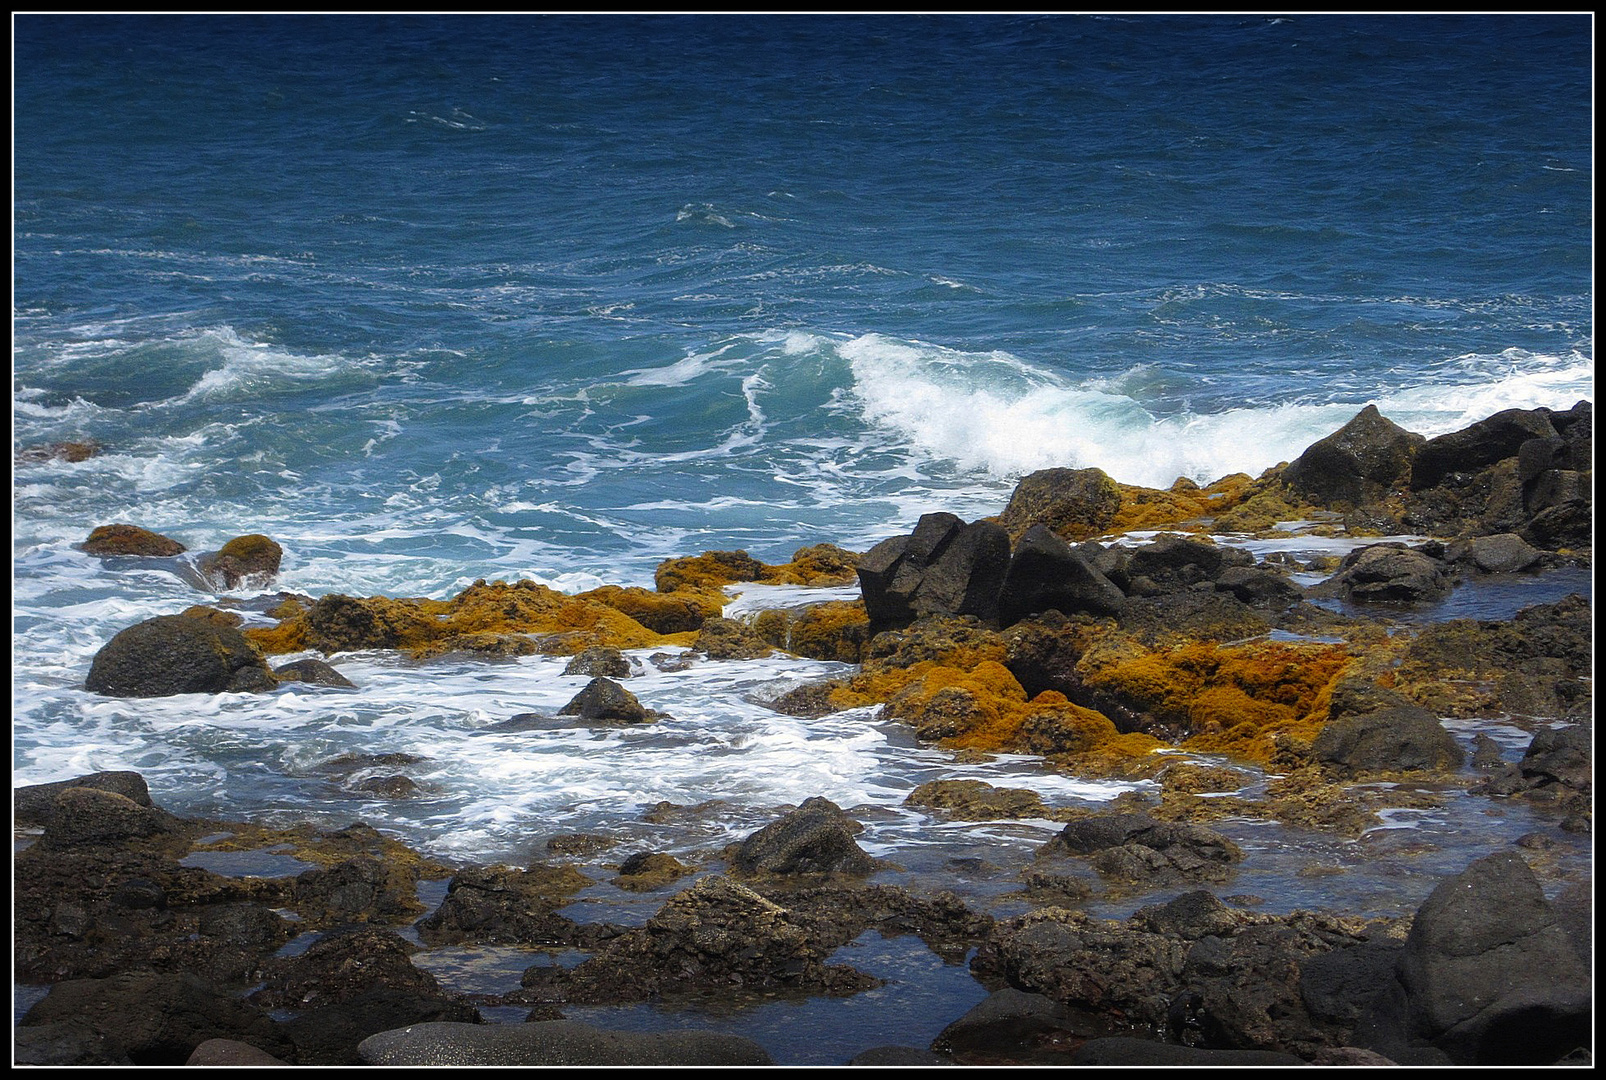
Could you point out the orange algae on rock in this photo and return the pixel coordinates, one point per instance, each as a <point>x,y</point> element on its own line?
<point>835,630</point>
<point>674,612</point>
<point>817,564</point>
<point>566,624</point>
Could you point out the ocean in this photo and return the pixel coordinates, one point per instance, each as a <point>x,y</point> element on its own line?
<point>435,299</point>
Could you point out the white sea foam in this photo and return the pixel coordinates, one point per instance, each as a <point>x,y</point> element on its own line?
<point>994,413</point>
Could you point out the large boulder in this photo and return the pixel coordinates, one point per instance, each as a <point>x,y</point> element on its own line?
<point>1488,976</point>
<point>1359,463</point>
<point>1075,503</point>
<point>35,804</point>
<point>944,567</point>
<point>129,540</point>
<point>815,838</point>
<point>1177,562</point>
<point>1479,446</point>
<point>1389,573</point>
<point>1400,738</point>
<point>1047,573</point>
<point>175,654</point>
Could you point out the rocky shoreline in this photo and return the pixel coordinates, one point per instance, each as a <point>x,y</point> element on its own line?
<point>1021,634</point>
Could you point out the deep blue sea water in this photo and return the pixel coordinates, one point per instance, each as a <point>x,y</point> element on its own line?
<point>436,299</point>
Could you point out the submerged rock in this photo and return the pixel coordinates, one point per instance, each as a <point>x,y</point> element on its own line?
<point>314,672</point>
<point>172,654</point>
<point>1401,738</point>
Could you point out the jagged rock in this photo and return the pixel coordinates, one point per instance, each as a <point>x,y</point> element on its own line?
<point>1047,573</point>
<point>1075,503</point>
<point>313,671</point>
<point>944,567</point>
<point>815,838</point>
<point>91,816</point>
<point>1177,562</point>
<point>645,871</point>
<point>1259,587</point>
<point>129,540</point>
<point>555,1042</point>
<point>1399,738</point>
<point>341,966</point>
<point>171,654</point>
<point>1359,463</point>
<point>1479,446</point>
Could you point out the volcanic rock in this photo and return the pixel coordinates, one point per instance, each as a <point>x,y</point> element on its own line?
<point>171,654</point>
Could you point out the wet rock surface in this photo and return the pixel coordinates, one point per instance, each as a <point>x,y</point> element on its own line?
<point>172,654</point>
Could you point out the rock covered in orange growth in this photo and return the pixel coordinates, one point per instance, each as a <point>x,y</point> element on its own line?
<point>563,624</point>
<point>666,613</point>
<point>835,630</point>
<point>129,540</point>
<point>245,557</point>
<point>1221,698</point>
<point>818,564</point>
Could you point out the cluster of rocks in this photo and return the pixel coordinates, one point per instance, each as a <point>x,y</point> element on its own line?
<point>154,962</point>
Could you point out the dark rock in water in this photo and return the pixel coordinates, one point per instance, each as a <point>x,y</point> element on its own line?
<point>600,662</point>
<point>1259,587</point>
<point>730,639</point>
<point>1191,916</point>
<point>1042,654</point>
<point>1479,446</point>
<point>604,701</point>
<point>171,654</point>
<point>1047,573</point>
<point>1562,756</point>
<point>250,559</point>
<point>555,1042</point>
<point>313,671</point>
<point>1075,503</point>
<point>1124,1051</point>
<point>1014,1026</point>
<point>364,888</point>
<point>1488,976</point>
<point>1361,462</point>
<point>1137,847</point>
<point>1401,738</point>
<point>816,838</point>
<point>944,567</point>
<point>92,817</point>
<point>157,1019</point>
<point>1176,562</point>
<point>341,966</point>
<point>1389,574</point>
<point>713,936</point>
<point>35,804</point>
<point>645,871</point>
<point>505,906</point>
<point>1503,553</point>
<point>129,540</point>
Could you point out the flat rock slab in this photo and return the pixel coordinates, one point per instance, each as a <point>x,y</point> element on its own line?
<point>555,1042</point>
